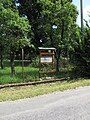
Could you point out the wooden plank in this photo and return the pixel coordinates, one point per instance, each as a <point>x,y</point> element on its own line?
<point>48,71</point>
<point>47,53</point>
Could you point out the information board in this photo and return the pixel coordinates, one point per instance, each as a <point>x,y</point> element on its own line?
<point>46,59</point>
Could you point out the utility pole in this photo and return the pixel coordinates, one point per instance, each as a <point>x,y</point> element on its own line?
<point>81,11</point>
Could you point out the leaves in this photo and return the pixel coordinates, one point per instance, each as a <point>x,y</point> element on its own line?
<point>14,28</point>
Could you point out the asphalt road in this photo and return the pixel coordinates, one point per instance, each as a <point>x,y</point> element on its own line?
<point>67,105</point>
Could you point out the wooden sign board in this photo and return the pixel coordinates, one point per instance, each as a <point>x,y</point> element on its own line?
<point>46,61</point>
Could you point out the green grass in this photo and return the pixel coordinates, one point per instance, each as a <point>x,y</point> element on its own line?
<point>15,93</point>
<point>30,74</point>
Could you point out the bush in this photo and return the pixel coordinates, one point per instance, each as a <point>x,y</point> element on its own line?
<point>35,62</point>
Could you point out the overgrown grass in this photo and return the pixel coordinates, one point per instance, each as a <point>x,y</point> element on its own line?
<point>30,74</point>
<point>15,93</point>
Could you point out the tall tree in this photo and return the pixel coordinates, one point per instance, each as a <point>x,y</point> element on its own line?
<point>32,9</point>
<point>60,18</point>
<point>82,56</point>
<point>3,47</point>
<point>15,30</point>
<point>43,15</point>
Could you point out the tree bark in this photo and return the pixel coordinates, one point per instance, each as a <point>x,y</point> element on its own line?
<point>1,61</point>
<point>57,60</point>
<point>1,56</point>
<point>59,49</point>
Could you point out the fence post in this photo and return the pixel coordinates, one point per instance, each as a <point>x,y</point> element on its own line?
<point>22,64</point>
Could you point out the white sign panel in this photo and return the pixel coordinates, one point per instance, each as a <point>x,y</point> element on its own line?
<point>47,59</point>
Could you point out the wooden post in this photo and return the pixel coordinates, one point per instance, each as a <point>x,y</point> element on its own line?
<point>52,63</point>
<point>39,64</point>
<point>22,64</point>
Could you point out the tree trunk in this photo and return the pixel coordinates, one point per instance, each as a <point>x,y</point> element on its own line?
<point>1,56</point>
<point>59,50</point>
<point>57,60</point>
<point>12,57</point>
<point>57,65</point>
<point>1,61</point>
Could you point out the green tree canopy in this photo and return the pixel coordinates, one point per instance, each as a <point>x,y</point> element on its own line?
<point>13,29</point>
<point>43,15</point>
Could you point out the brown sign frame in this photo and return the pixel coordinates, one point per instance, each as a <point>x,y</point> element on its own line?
<point>47,54</point>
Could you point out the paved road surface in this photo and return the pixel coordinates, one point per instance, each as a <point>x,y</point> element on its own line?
<point>67,105</point>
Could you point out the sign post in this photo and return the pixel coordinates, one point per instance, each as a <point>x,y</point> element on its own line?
<point>46,61</point>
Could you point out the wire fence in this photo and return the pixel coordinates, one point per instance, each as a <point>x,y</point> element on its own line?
<point>30,71</point>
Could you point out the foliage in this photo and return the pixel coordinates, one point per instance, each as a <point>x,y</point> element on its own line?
<point>81,56</point>
<point>46,23</point>
<point>13,29</point>
<point>45,14</point>
<point>32,9</point>
<point>35,62</point>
